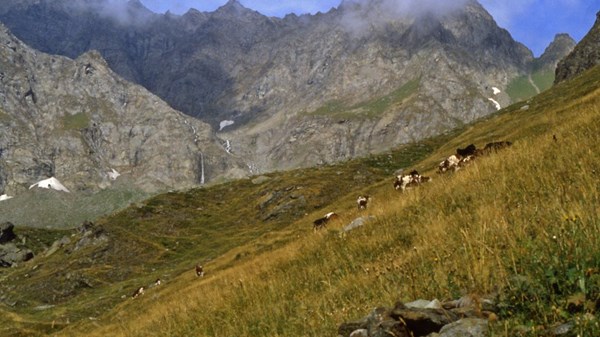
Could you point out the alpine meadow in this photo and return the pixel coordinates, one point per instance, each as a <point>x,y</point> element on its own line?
<point>199,237</point>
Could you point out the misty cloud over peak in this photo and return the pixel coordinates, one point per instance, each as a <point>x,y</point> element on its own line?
<point>122,11</point>
<point>360,15</point>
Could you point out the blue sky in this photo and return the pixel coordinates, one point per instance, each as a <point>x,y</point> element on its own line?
<point>532,22</point>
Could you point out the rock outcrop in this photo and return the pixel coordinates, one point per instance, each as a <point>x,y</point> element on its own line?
<point>561,46</point>
<point>6,232</point>
<point>467,316</point>
<point>11,252</point>
<point>78,121</point>
<point>583,57</point>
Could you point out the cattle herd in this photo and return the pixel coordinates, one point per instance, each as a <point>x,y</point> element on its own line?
<point>464,156</point>
<point>403,182</point>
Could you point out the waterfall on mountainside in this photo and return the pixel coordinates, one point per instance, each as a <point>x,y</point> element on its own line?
<point>201,168</point>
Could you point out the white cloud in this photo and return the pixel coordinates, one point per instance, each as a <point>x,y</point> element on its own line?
<point>361,14</point>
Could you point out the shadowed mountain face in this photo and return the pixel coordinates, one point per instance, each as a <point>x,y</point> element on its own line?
<point>302,90</point>
<point>585,55</point>
<point>78,121</point>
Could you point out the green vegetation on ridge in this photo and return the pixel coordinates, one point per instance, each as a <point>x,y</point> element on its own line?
<point>372,108</point>
<point>522,88</point>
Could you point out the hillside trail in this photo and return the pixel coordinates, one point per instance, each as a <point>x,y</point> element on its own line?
<point>537,89</point>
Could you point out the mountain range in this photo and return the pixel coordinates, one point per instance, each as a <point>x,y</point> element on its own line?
<point>306,90</point>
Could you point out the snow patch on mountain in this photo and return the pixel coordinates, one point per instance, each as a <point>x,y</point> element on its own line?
<point>50,183</point>
<point>5,197</point>
<point>225,124</point>
<point>495,103</point>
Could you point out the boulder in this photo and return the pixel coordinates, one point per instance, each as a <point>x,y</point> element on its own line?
<point>10,254</point>
<point>358,222</point>
<point>6,232</point>
<point>466,327</point>
<point>424,304</point>
<point>349,328</point>
<point>425,318</point>
<point>423,321</point>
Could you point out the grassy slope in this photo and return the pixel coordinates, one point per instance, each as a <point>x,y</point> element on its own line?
<point>168,234</point>
<point>372,108</point>
<point>523,223</point>
<point>46,208</point>
<point>520,88</point>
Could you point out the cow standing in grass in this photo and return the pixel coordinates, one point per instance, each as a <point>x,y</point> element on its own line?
<point>451,163</point>
<point>322,222</point>
<point>495,146</point>
<point>362,201</point>
<point>467,151</point>
<point>139,291</point>
<point>199,271</point>
<point>412,179</point>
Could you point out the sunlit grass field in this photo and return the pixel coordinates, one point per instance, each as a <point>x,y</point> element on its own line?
<point>520,225</point>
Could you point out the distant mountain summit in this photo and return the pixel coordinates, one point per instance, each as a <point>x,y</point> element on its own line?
<point>562,45</point>
<point>585,55</point>
<point>301,90</point>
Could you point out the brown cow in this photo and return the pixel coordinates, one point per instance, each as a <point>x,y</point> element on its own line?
<point>199,271</point>
<point>467,151</point>
<point>322,222</point>
<point>139,291</point>
<point>362,201</point>
<point>495,146</point>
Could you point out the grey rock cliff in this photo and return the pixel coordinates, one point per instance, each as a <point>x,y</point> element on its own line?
<point>77,120</point>
<point>561,46</point>
<point>585,55</point>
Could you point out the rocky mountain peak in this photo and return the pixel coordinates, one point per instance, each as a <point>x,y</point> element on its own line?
<point>585,55</point>
<point>232,7</point>
<point>562,45</point>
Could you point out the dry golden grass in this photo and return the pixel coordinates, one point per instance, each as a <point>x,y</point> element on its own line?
<point>522,224</point>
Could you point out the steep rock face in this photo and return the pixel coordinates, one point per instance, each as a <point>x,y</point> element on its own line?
<point>585,55</point>
<point>561,46</point>
<point>301,90</point>
<point>77,120</point>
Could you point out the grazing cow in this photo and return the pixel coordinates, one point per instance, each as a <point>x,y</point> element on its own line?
<point>450,163</point>
<point>139,291</point>
<point>322,222</point>
<point>467,151</point>
<point>199,271</point>
<point>412,179</point>
<point>362,201</point>
<point>495,146</point>
<point>157,282</point>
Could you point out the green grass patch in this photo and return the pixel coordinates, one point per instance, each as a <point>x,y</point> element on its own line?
<point>372,108</point>
<point>75,122</point>
<point>520,88</point>
<point>54,209</point>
